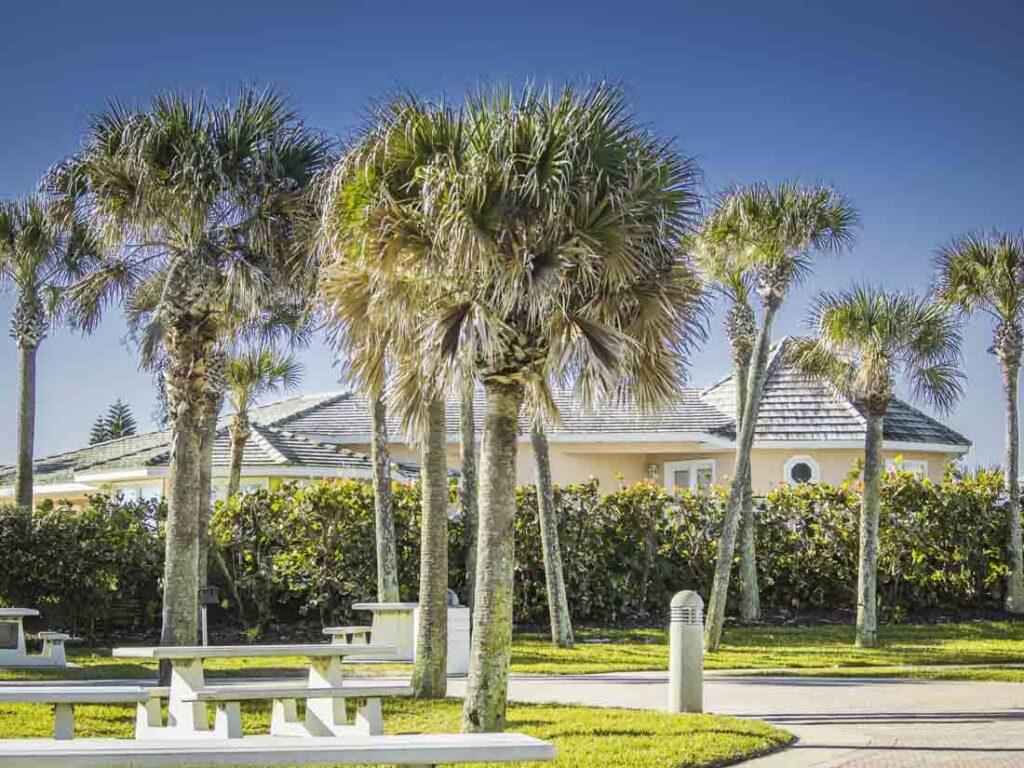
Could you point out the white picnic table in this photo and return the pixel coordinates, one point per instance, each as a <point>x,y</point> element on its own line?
<point>12,642</point>
<point>395,624</point>
<point>189,692</point>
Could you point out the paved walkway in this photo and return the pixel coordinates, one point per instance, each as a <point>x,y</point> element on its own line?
<point>854,723</point>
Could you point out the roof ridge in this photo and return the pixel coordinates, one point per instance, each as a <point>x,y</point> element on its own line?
<point>275,453</point>
<point>321,403</point>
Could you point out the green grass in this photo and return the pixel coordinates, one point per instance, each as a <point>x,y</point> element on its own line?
<point>829,647</point>
<point>585,736</point>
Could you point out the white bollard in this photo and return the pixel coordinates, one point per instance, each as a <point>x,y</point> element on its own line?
<point>686,653</point>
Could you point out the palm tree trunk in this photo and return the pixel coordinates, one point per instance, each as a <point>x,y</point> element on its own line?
<point>750,598</point>
<point>240,432</point>
<point>734,511</point>
<point>384,517</point>
<point>750,601</point>
<point>491,646</point>
<point>558,603</point>
<point>186,377</point>
<point>213,404</point>
<point>870,511</point>
<point>1014,602</point>
<point>468,486</point>
<point>430,670</point>
<point>26,424</point>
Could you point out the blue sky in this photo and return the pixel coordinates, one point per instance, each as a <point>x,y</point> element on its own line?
<point>913,109</point>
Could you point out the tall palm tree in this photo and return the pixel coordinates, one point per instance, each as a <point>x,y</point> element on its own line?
<point>862,340</point>
<point>985,273</point>
<point>205,199</point>
<point>735,282</point>
<point>40,255</point>
<point>775,232</point>
<point>558,602</point>
<point>251,376</point>
<point>374,243</point>
<point>468,485</point>
<point>558,227</point>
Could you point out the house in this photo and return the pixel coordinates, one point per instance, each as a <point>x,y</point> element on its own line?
<point>805,433</point>
<point>136,467</point>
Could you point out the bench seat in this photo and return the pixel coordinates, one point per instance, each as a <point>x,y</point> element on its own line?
<point>65,697</point>
<point>326,719</point>
<point>298,690</point>
<point>419,750</point>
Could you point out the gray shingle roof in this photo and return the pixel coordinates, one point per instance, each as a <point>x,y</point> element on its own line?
<point>797,408</point>
<point>304,431</point>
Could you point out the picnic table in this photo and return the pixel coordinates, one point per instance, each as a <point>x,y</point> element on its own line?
<point>189,692</point>
<point>12,642</point>
<point>395,624</point>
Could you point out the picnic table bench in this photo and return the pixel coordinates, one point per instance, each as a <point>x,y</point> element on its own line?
<point>324,691</point>
<point>418,750</point>
<point>395,624</point>
<point>13,652</point>
<point>65,697</point>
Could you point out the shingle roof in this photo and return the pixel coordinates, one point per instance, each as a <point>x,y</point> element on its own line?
<point>795,407</point>
<point>268,446</point>
<point>346,418</point>
<point>305,431</point>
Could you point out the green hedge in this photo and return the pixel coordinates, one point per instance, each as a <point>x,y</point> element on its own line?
<point>308,553</point>
<point>94,570</point>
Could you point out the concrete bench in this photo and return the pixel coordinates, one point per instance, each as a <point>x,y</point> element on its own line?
<point>418,750</point>
<point>284,720</point>
<point>348,634</point>
<point>65,697</point>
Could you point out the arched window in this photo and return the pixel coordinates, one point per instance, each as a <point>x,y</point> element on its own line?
<point>801,469</point>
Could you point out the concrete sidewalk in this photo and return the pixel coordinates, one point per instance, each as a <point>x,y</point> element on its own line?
<point>850,722</point>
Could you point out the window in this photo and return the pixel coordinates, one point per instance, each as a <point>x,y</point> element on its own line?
<point>914,466</point>
<point>696,475</point>
<point>149,491</point>
<point>801,469</point>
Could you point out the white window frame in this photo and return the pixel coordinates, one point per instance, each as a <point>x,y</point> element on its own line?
<point>792,461</point>
<point>694,465</point>
<point>916,466</point>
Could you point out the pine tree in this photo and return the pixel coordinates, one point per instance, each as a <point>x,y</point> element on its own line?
<point>99,431</point>
<point>120,422</point>
<point>117,422</point>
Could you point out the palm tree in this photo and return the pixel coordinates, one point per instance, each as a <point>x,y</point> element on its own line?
<point>250,377</point>
<point>40,255</point>
<point>775,233</point>
<point>558,226</point>
<point>985,273</point>
<point>558,602</point>
<point>722,270</point>
<point>374,240</point>
<point>205,202</point>
<point>863,339</point>
<point>468,485</point>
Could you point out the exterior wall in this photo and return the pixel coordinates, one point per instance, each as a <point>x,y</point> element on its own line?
<point>768,465</point>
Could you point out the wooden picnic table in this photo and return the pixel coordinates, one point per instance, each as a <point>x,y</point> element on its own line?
<point>186,710</point>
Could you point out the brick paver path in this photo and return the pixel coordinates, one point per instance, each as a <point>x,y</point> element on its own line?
<point>852,723</point>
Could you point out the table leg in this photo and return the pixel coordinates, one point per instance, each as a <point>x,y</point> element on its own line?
<point>325,715</point>
<point>63,722</point>
<point>186,678</point>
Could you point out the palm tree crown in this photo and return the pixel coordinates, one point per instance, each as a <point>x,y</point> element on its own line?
<point>257,373</point>
<point>41,254</point>
<point>864,338</point>
<point>772,231</point>
<point>559,237</point>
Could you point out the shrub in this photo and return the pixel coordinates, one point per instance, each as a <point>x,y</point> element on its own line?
<point>299,553</point>
<point>93,570</point>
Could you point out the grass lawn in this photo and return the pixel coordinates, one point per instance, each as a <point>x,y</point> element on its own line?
<point>829,647</point>
<point>585,736</point>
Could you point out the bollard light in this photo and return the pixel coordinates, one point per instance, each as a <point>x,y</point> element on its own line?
<point>686,653</point>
